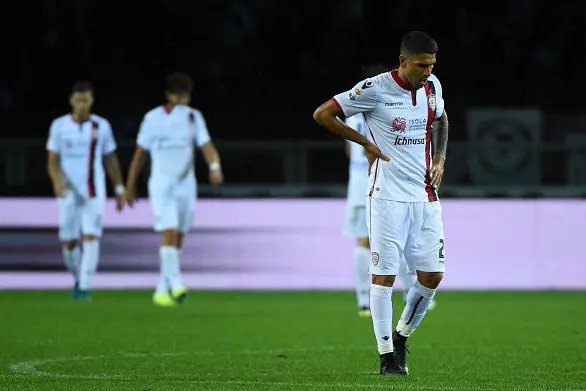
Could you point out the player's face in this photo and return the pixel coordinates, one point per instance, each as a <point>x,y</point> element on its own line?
<point>81,102</point>
<point>418,68</point>
<point>179,98</point>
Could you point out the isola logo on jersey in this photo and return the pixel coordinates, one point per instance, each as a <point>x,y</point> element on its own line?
<point>404,141</point>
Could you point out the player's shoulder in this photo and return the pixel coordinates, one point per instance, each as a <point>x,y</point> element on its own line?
<point>99,120</point>
<point>379,80</point>
<point>60,120</point>
<point>434,79</point>
<point>194,110</point>
<point>154,113</point>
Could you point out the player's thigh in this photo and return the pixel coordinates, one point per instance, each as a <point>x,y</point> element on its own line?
<point>425,245</point>
<point>355,225</point>
<point>186,205</point>
<point>387,222</point>
<point>164,205</point>
<point>69,211</point>
<point>92,216</point>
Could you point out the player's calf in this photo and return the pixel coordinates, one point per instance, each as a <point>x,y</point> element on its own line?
<point>419,298</point>
<point>89,264</point>
<point>72,258</point>
<point>170,277</point>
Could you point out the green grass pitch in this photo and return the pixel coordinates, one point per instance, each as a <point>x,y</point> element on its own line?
<point>287,341</point>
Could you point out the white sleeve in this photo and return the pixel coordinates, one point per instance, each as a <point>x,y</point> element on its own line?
<point>439,98</point>
<point>145,136</point>
<point>356,122</point>
<point>109,142</point>
<point>202,136</point>
<point>53,140</point>
<point>362,98</point>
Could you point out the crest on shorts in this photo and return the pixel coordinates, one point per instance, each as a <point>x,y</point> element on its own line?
<point>374,258</point>
<point>431,101</point>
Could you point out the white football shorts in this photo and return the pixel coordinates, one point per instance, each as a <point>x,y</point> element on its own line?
<point>412,230</point>
<point>79,216</point>
<point>173,205</point>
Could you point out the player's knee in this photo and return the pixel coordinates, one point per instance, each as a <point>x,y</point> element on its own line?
<point>363,242</point>
<point>430,280</point>
<point>70,244</point>
<point>170,237</point>
<point>90,238</point>
<point>383,280</point>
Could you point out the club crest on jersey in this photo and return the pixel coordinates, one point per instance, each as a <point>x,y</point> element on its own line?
<point>399,125</point>
<point>431,101</point>
<point>374,258</point>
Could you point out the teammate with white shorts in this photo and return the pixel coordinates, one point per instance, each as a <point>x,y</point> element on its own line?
<point>79,145</point>
<point>355,216</point>
<point>400,109</point>
<point>169,134</point>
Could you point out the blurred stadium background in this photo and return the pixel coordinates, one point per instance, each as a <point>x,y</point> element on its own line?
<point>513,192</point>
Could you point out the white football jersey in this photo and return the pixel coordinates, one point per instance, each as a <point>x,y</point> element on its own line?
<point>398,121</point>
<point>170,138</point>
<point>81,147</point>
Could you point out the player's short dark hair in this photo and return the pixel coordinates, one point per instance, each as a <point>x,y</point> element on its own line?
<point>82,86</point>
<point>374,69</point>
<point>416,42</point>
<point>179,83</point>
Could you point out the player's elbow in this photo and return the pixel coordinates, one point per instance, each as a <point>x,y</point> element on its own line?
<point>319,114</point>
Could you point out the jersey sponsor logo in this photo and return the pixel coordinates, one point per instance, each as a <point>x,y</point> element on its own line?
<point>399,125</point>
<point>393,104</point>
<point>431,101</point>
<point>404,141</point>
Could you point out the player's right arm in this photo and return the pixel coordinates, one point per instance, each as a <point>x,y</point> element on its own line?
<point>143,142</point>
<point>360,99</point>
<point>53,162</point>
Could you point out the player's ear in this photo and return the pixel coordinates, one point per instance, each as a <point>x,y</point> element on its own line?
<point>402,61</point>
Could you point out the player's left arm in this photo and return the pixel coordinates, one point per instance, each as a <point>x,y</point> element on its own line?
<point>112,165</point>
<point>209,150</point>
<point>440,131</point>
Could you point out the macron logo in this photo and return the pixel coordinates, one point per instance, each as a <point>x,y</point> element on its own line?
<point>393,104</point>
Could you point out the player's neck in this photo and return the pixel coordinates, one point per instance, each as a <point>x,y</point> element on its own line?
<point>80,117</point>
<point>169,107</point>
<point>402,80</point>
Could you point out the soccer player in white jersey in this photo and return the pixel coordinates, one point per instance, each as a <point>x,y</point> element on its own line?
<point>355,217</point>
<point>79,146</point>
<point>169,134</point>
<point>403,212</point>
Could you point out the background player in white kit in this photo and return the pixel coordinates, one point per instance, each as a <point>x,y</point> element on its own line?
<point>404,214</point>
<point>169,134</point>
<point>79,145</point>
<point>355,216</point>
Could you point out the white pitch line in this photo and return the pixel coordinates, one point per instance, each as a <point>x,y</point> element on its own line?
<point>30,368</point>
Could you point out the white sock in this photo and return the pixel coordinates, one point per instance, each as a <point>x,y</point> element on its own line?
<point>407,280</point>
<point>72,259</point>
<point>381,308</point>
<point>361,262</point>
<point>418,299</point>
<point>170,266</point>
<point>89,263</point>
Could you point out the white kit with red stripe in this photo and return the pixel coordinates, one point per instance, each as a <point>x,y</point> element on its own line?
<point>399,121</point>
<point>81,147</point>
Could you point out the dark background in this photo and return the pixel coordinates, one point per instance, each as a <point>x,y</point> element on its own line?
<point>261,67</point>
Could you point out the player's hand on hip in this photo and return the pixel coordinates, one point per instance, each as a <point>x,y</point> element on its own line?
<point>372,153</point>
<point>437,170</point>
<point>216,177</point>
